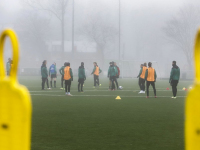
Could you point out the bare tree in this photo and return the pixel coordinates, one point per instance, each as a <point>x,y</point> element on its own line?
<point>33,31</point>
<point>55,7</point>
<point>100,32</point>
<point>181,30</point>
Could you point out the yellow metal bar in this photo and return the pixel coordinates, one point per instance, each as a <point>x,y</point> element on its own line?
<point>192,113</point>
<point>15,103</point>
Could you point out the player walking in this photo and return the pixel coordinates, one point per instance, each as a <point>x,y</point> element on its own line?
<point>44,74</point>
<point>141,76</point>
<point>53,74</point>
<point>61,70</point>
<point>68,76</point>
<point>150,77</point>
<point>81,77</point>
<point>174,78</point>
<point>96,71</point>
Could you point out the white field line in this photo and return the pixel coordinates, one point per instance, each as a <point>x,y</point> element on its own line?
<point>100,96</point>
<point>48,91</point>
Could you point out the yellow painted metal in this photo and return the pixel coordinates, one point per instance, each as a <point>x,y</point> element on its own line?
<point>192,113</point>
<point>15,103</point>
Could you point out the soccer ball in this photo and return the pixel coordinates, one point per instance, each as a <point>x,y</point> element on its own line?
<point>120,87</point>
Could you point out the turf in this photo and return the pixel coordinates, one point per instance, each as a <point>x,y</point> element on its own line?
<point>94,120</point>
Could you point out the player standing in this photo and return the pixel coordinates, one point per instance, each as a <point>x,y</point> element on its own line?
<point>141,76</point>
<point>117,75</point>
<point>96,71</point>
<point>68,76</point>
<point>61,70</point>
<point>8,66</point>
<point>150,77</point>
<point>44,74</point>
<point>174,78</point>
<point>81,77</point>
<point>112,71</point>
<point>53,74</point>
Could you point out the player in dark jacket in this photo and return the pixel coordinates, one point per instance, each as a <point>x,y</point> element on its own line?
<point>174,78</point>
<point>112,71</point>
<point>44,74</point>
<point>61,70</point>
<point>81,77</point>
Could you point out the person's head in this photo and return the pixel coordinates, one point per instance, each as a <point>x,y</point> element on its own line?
<point>95,63</point>
<point>82,64</point>
<point>173,63</point>
<point>44,62</point>
<point>110,63</point>
<point>68,64</point>
<point>54,63</point>
<point>145,64</point>
<point>149,64</point>
<point>115,64</point>
<point>141,65</point>
<point>65,64</point>
<point>9,59</point>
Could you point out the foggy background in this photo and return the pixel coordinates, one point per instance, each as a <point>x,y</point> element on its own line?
<point>129,32</point>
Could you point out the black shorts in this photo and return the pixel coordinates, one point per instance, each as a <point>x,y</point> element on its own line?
<point>53,75</point>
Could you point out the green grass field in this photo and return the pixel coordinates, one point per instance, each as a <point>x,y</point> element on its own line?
<point>94,120</point>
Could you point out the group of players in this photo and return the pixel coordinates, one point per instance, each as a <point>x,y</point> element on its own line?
<point>67,76</point>
<point>149,75</point>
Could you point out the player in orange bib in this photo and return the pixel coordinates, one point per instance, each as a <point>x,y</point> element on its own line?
<point>150,77</point>
<point>96,71</point>
<point>68,77</point>
<point>141,77</point>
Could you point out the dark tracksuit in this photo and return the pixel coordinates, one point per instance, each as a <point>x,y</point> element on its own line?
<point>112,72</point>
<point>81,77</point>
<point>44,74</point>
<point>152,83</point>
<point>61,70</point>
<point>8,68</point>
<point>141,81</point>
<point>174,79</point>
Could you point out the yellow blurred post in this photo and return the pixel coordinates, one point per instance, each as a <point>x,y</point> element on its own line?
<point>15,103</point>
<point>192,114</point>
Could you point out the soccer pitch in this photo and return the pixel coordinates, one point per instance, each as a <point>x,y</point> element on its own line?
<point>94,120</point>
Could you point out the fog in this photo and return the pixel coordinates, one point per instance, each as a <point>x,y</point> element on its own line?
<point>98,31</point>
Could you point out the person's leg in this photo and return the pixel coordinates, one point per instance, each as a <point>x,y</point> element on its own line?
<point>148,83</point>
<point>154,88</point>
<point>62,79</point>
<point>82,82</point>
<point>79,85</point>
<point>47,80</point>
<point>55,82</point>
<point>143,84</point>
<point>69,85</point>
<point>51,80</point>
<point>110,83</point>
<point>94,80</point>
<point>66,86</point>
<point>116,83</point>
<point>112,80</point>
<point>174,87</point>
<point>98,80</point>
<point>43,82</point>
<point>139,83</point>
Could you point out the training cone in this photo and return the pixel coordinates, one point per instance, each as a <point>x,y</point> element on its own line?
<point>183,89</point>
<point>167,88</point>
<point>118,98</point>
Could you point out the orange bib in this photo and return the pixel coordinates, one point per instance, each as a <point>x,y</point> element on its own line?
<point>151,74</point>
<point>67,74</point>
<point>143,72</point>
<point>97,71</point>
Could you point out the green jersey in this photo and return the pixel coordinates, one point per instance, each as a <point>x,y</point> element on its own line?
<point>61,70</point>
<point>44,72</point>
<point>175,73</point>
<point>81,73</point>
